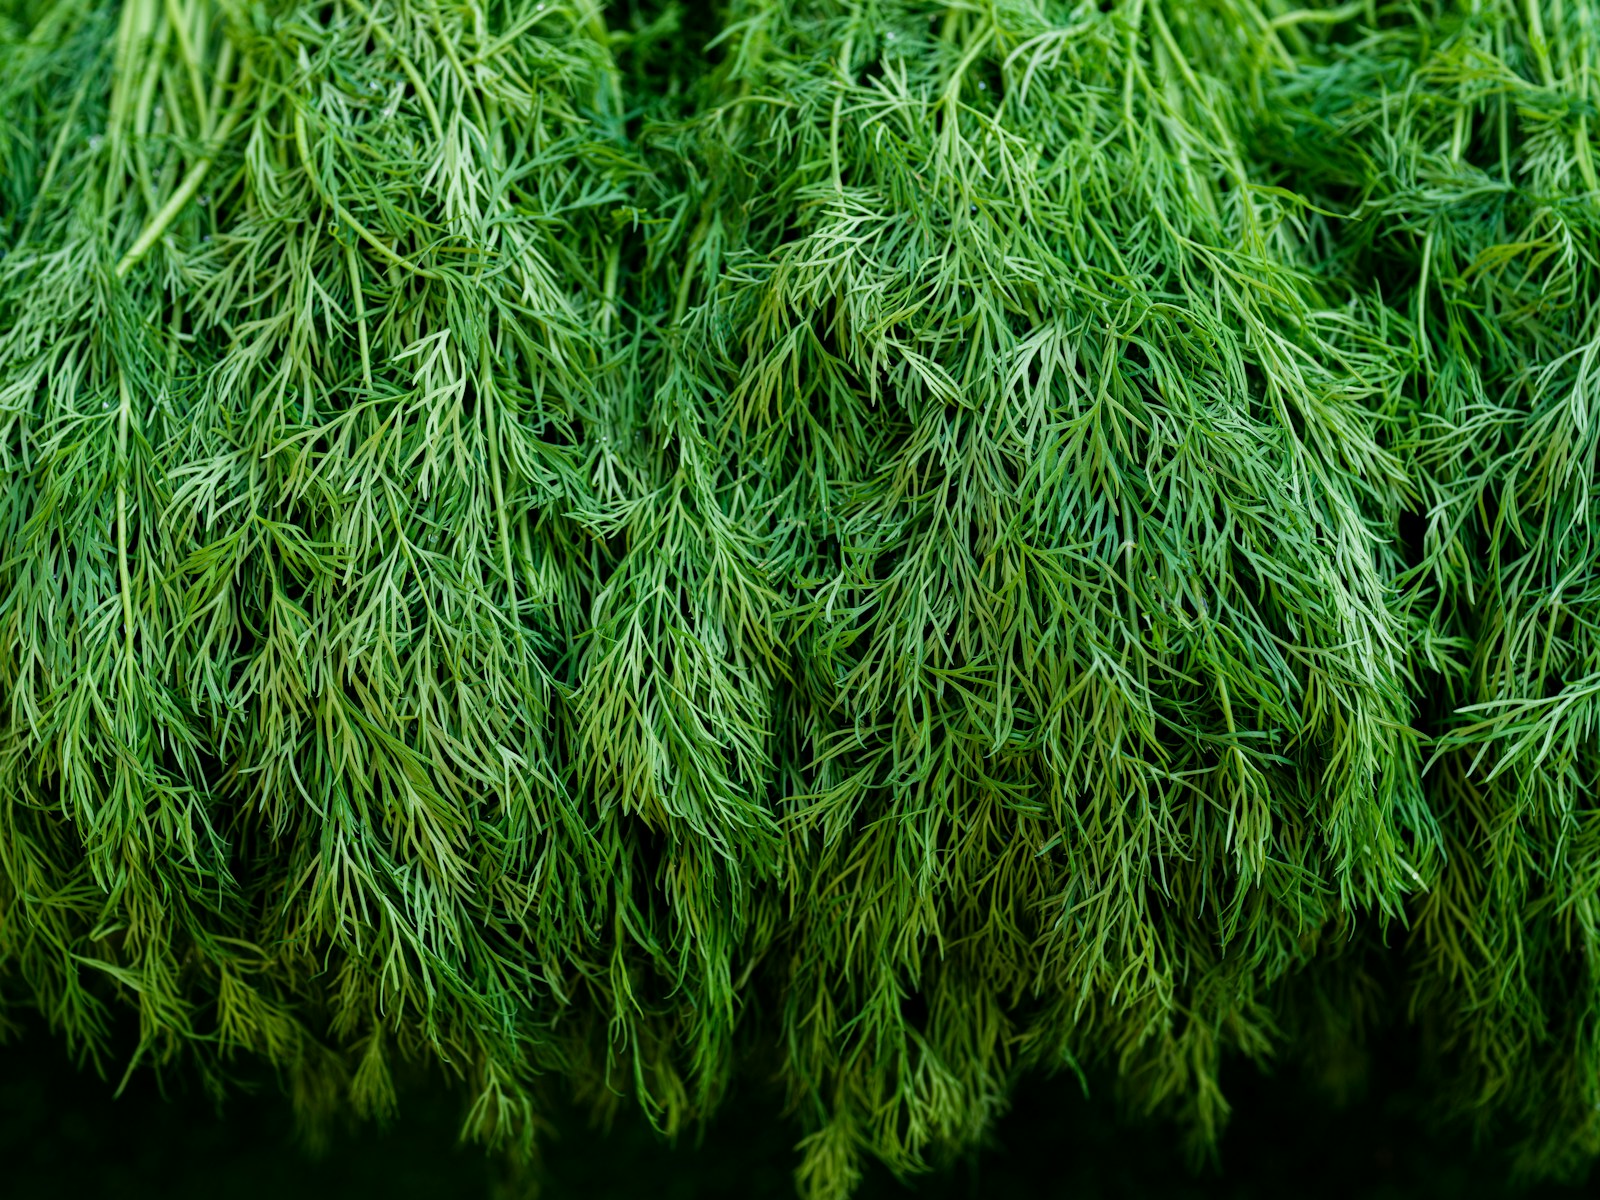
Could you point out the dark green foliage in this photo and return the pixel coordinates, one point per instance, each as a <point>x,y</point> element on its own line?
<point>879,545</point>
<point>63,1132</point>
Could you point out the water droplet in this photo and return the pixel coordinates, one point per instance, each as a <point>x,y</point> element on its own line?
<point>889,36</point>
<point>160,112</point>
<point>96,142</point>
<point>204,201</point>
<point>105,406</point>
<point>974,208</point>
<point>982,86</point>
<point>205,239</point>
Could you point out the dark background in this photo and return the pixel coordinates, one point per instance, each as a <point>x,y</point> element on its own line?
<point>64,1134</point>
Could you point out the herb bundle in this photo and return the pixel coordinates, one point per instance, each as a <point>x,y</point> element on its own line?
<point>881,545</point>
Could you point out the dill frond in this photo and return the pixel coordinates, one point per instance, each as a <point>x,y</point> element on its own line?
<point>882,544</point>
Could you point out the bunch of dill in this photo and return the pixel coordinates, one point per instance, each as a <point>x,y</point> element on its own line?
<point>882,545</point>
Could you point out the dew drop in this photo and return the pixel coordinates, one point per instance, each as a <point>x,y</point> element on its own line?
<point>204,201</point>
<point>982,86</point>
<point>96,142</point>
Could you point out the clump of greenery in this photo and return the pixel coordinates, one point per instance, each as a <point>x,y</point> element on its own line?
<point>1465,149</point>
<point>881,545</point>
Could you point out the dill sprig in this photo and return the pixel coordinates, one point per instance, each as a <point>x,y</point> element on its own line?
<point>878,544</point>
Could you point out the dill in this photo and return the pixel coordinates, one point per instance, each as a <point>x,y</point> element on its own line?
<point>880,544</point>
